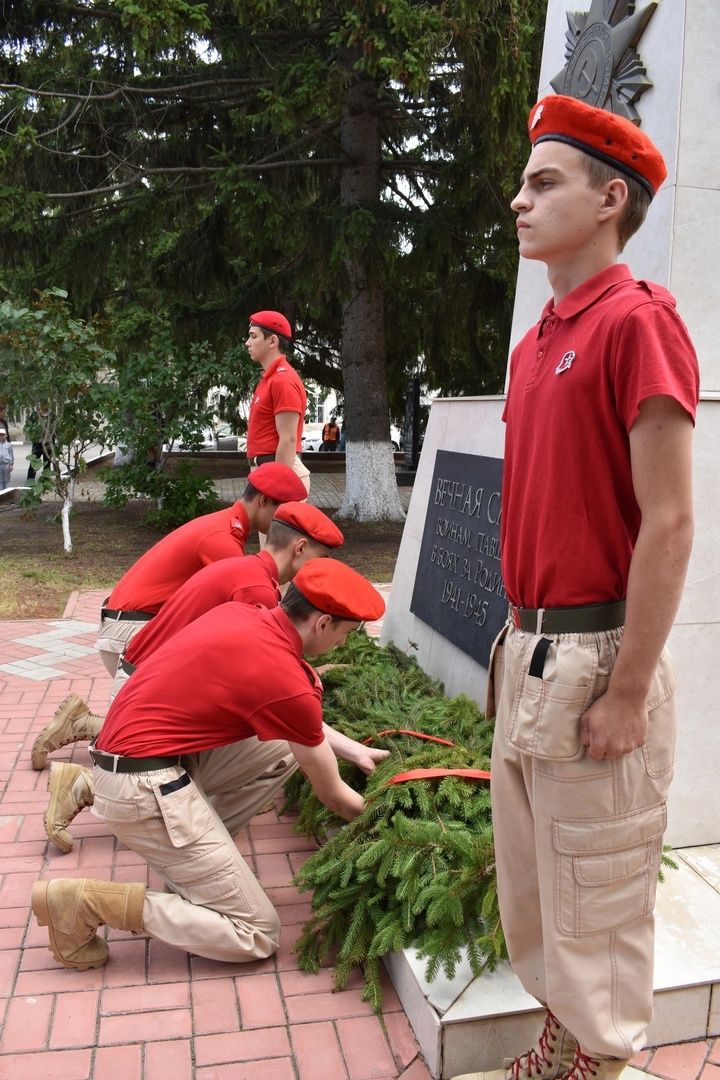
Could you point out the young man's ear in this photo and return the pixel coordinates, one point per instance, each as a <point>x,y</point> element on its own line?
<point>616,195</point>
<point>322,622</point>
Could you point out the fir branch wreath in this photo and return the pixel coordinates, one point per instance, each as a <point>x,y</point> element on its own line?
<point>417,866</point>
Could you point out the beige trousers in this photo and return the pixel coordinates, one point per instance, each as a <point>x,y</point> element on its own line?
<point>113,638</point>
<point>578,841</point>
<point>182,821</point>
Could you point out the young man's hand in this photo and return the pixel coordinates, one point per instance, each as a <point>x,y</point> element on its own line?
<point>368,757</point>
<point>365,757</point>
<point>614,725</point>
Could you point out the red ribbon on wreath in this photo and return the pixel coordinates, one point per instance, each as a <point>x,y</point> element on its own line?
<point>404,731</point>
<point>436,774</point>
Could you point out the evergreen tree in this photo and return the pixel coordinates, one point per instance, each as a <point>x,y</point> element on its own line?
<point>347,162</point>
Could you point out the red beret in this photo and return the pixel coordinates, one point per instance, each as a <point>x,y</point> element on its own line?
<point>311,522</point>
<point>335,589</point>
<point>272,321</point>
<point>601,134</point>
<point>278,482</point>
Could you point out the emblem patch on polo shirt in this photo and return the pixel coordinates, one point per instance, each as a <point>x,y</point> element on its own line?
<point>566,362</point>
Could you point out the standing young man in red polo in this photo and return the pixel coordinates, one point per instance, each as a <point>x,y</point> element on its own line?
<point>596,535</point>
<point>277,410</point>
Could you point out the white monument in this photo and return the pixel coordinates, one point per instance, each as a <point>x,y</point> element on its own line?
<point>466,1024</point>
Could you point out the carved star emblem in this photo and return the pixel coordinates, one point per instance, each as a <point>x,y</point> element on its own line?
<point>602,67</point>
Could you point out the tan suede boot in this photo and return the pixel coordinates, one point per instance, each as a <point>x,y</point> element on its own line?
<point>72,722</point>
<point>585,1067</point>
<point>71,788</point>
<point>73,909</point>
<point>553,1055</point>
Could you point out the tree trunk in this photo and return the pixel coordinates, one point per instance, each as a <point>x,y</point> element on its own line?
<point>65,517</point>
<point>371,489</point>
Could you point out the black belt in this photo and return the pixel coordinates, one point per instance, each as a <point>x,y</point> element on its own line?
<point>116,763</point>
<point>118,616</point>
<point>590,619</point>
<point>261,459</point>
<point>127,667</point>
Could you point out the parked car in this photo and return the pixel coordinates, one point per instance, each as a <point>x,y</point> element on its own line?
<point>222,439</point>
<point>311,441</point>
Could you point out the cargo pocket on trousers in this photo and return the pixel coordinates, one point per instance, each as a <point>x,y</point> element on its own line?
<point>203,880</point>
<point>545,719</point>
<point>186,815</point>
<point>115,810</point>
<point>606,870</point>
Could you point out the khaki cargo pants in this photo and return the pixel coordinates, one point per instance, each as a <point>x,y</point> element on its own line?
<point>578,841</point>
<point>182,821</point>
<point>114,636</point>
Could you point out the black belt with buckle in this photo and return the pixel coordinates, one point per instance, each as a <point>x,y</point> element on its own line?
<point>261,459</point>
<point>127,667</point>
<point>116,763</point>
<point>119,616</point>
<point>590,619</point>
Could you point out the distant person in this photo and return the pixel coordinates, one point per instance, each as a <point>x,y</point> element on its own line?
<point>36,433</point>
<point>4,420</point>
<point>277,409</point>
<point>330,435</point>
<point>7,459</point>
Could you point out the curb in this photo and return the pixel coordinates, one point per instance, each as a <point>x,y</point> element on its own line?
<point>71,605</point>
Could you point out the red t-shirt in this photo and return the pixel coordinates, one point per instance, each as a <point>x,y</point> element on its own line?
<point>280,390</point>
<point>235,672</point>
<point>570,518</point>
<point>168,564</point>
<point>249,579</point>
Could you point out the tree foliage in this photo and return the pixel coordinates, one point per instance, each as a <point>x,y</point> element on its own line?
<point>349,163</point>
<point>162,400</point>
<point>56,368</point>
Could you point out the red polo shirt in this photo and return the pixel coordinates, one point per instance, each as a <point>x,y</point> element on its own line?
<point>168,564</point>
<point>249,579</point>
<point>235,672</point>
<point>570,518</point>
<point>280,390</point>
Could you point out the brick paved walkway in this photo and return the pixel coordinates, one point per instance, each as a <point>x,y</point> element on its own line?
<point>153,1012</point>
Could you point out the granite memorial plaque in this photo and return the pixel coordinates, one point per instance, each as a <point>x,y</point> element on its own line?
<point>458,587</point>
